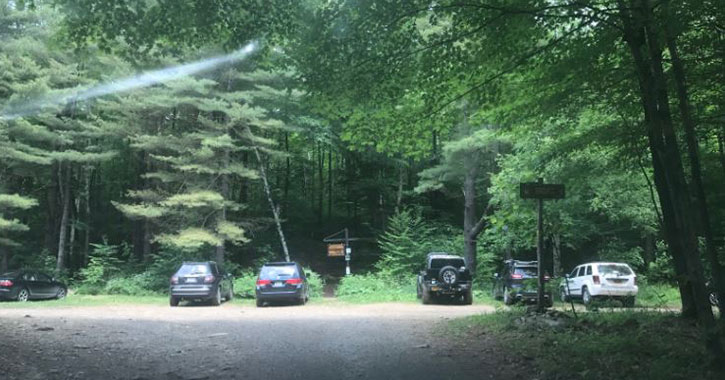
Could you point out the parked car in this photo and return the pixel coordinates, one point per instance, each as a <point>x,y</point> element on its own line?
<point>27,285</point>
<point>594,280</point>
<point>282,281</point>
<point>447,276</point>
<point>518,282</point>
<point>201,281</point>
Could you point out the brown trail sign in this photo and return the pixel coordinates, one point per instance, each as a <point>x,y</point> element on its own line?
<point>335,250</point>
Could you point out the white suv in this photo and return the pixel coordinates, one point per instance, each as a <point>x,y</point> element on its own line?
<point>591,280</point>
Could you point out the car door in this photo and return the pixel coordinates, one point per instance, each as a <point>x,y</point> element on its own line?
<point>574,288</point>
<point>35,288</point>
<point>45,285</point>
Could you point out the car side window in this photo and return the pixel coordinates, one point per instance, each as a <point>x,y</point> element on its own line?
<point>581,271</point>
<point>589,270</point>
<point>42,277</point>
<point>573,272</point>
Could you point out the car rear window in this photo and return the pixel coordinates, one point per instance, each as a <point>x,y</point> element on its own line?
<point>278,272</point>
<point>193,270</point>
<point>616,269</point>
<point>527,271</point>
<point>440,263</point>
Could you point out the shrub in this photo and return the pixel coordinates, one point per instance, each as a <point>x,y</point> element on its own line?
<point>376,288</point>
<point>134,285</point>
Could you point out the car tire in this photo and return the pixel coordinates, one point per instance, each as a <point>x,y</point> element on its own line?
<point>468,297</point>
<point>173,301</point>
<point>61,293</point>
<point>448,275</point>
<point>217,299</point>
<point>562,295</point>
<point>507,299</point>
<point>230,294</point>
<point>426,297</point>
<point>418,292</point>
<point>259,302</point>
<point>586,296</point>
<point>23,295</point>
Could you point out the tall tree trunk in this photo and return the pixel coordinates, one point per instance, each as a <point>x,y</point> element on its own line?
<point>52,222</point>
<point>65,196</point>
<point>329,184</point>
<point>399,197</point>
<point>469,211</point>
<point>556,253</point>
<point>222,217</point>
<point>4,259</point>
<point>73,226</point>
<point>287,172</point>
<point>642,38</point>
<point>87,237</point>
<point>693,148</point>
<point>321,187</point>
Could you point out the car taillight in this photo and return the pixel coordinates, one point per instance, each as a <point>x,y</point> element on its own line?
<point>264,282</point>
<point>294,281</point>
<point>517,276</point>
<point>7,283</point>
<point>208,279</point>
<point>596,279</point>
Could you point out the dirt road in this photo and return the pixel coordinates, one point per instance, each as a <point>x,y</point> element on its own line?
<point>382,341</point>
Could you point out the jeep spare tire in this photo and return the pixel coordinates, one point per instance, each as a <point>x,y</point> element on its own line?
<point>448,275</point>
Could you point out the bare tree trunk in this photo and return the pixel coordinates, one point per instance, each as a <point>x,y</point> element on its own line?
<point>695,166</point>
<point>64,182</point>
<point>321,187</point>
<point>287,172</point>
<point>52,226</point>
<point>329,183</point>
<point>275,209</point>
<point>87,238</point>
<point>556,240</point>
<point>73,226</point>
<point>3,259</point>
<point>399,198</point>
<point>469,212</point>
<point>222,217</point>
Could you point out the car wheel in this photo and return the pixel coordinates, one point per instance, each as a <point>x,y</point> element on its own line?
<point>507,299</point>
<point>217,300</point>
<point>259,302</point>
<point>426,298</point>
<point>61,293</point>
<point>418,293</point>
<point>23,295</point>
<point>468,297</point>
<point>586,296</point>
<point>562,295</point>
<point>173,301</point>
<point>230,294</point>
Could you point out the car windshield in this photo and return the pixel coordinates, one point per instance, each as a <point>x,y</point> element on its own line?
<point>193,270</point>
<point>526,271</point>
<point>615,269</point>
<point>278,272</point>
<point>440,263</point>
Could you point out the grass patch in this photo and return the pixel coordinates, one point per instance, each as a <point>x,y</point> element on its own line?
<point>373,288</point>
<point>658,295</point>
<point>631,345</point>
<point>88,300</point>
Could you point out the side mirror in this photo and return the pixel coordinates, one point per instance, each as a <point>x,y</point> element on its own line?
<point>566,276</point>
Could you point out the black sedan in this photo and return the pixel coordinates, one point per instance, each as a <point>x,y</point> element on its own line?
<point>27,285</point>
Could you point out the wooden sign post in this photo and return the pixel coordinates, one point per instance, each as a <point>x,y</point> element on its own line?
<point>540,191</point>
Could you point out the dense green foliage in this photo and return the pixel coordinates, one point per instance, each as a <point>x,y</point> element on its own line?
<point>633,345</point>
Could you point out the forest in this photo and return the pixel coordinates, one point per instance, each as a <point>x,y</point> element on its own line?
<point>135,134</point>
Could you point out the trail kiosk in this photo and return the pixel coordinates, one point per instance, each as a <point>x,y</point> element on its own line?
<point>338,245</point>
<point>540,191</point>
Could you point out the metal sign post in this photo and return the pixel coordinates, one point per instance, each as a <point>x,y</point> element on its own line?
<point>540,191</point>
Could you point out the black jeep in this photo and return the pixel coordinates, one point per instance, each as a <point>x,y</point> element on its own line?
<point>445,276</point>
<point>519,282</point>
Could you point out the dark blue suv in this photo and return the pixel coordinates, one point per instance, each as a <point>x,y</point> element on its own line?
<point>282,281</point>
<point>202,281</point>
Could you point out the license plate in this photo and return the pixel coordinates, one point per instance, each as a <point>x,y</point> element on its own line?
<point>190,280</point>
<point>435,288</point>
<point>278,284</point>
